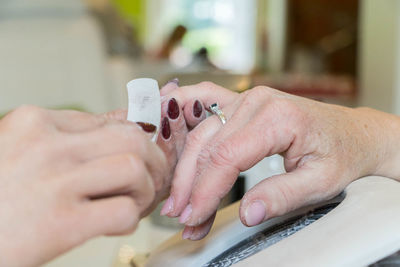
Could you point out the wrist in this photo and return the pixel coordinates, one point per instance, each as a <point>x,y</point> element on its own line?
<point>382,139</point>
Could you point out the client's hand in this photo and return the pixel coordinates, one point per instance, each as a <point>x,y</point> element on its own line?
<point>325,147</point>
<point>177,120</point>
<point>67,176</point>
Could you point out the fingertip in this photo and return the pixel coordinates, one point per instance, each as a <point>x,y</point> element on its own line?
<point>186,214</point>
<point>197,109</point>
<point>255,213</point>
<point>170,86</point>
<point>174,80</point>
<point>187,232</point>
<point>202,230</point>
<point>179,203</point>
<point>168,206</point>
<point>180,191</point>
<point>194,112</point>
<point>165,129</point>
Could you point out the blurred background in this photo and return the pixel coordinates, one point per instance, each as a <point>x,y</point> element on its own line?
<point>80,54</point>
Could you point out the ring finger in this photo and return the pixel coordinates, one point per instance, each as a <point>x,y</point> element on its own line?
<point>187,168</point>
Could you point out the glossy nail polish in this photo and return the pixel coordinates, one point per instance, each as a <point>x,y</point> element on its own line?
<point>165,129</point>
<point>186,214</point>
<point>174,80</point>
<point>255,213</point>
<point>173,109</point>
<point>147,127</point>
<point>197,109</point>
<point>168,206</point>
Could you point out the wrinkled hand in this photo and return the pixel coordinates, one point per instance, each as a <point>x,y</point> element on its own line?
<point>325,147</point>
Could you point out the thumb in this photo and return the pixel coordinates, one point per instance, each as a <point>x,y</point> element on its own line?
<point>283,193</point>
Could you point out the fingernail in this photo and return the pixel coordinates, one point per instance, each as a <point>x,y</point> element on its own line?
<point>187,232</point>
<point>147,127</point>
<point>197,109</point>
<point>168,206</point>
<point>255,213</point>
<point>165,129</point>
<point>174,80</point>
<point>173,109</point>
<point>186,214</point>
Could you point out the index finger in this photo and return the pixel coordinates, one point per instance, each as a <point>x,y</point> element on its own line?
<point>206,92</point>
<point>117,138</point>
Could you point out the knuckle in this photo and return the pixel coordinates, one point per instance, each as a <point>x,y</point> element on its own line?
<point>207,84</point>
<point>131,163</point>
<point>203,158</point>
<point>288,107</point>
<point>126,136</point>
<point>278,197</point>
<point>287,110</point>
<point>193,139</point>
<point>222,155</point>
<point>29,112</point>
<point>285,204</point>
<point>26,116</point>
<point>255,95</point>
<point>127,215</point>
<point>135,169</point>
<point>260,91</point>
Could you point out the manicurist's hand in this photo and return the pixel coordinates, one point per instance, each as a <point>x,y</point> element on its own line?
<point>325,147</point>
<point>67,176</point>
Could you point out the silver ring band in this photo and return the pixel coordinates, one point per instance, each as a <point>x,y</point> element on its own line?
<point>217,111</point>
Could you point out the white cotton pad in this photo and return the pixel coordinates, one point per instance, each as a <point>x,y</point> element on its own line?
<point>144,102</point>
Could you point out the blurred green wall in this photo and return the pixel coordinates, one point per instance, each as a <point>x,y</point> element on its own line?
<point>134,11</point>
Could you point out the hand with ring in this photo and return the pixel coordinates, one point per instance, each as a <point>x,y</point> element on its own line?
<point>325,147</point>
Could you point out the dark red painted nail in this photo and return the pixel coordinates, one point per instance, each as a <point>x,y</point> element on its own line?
<point>197,109</point>
<point>147,127</point>
<point>173,109</point>
<point>165,129</point>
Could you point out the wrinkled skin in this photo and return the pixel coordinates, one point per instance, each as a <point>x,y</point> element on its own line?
<point>325,147</point>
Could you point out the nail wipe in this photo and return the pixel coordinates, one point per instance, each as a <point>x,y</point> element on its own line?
<point>165,129</point>
<point>147,127</point>
<point>197,109</point>
<point>255,213</point>
<point>186,214</point>
<point>168,206</point>
<point>173,109</point>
